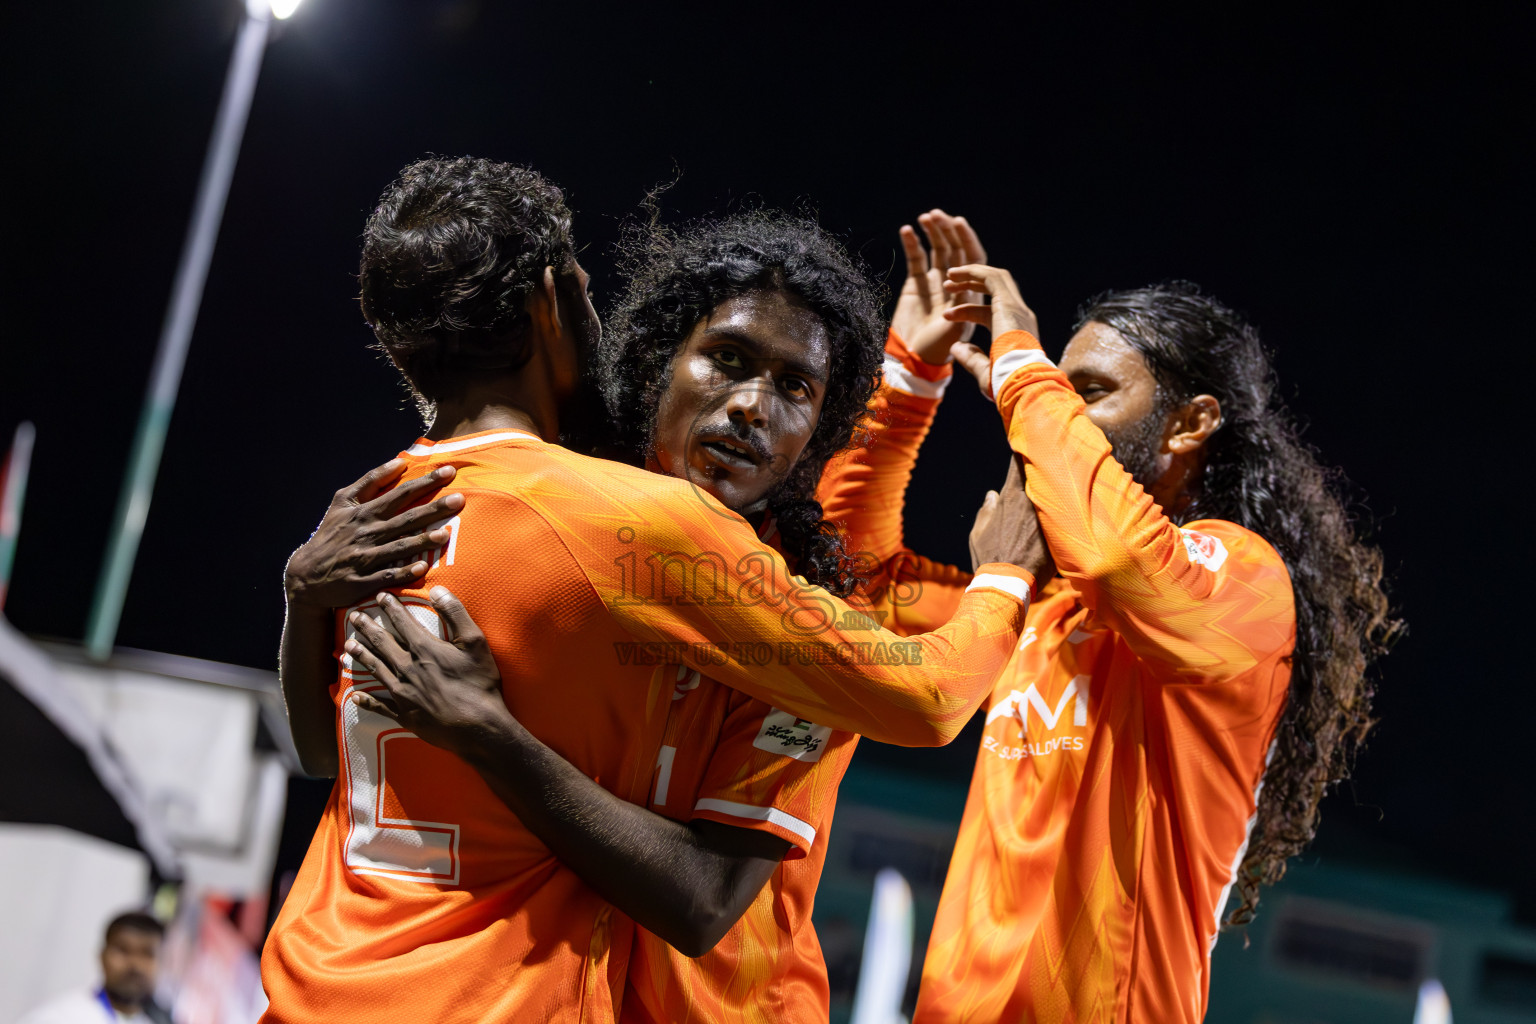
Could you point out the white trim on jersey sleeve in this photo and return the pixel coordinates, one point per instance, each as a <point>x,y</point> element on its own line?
<point>1242,851</point>
<point>464,443</point>
<point>1005,365</point>
<point>772,815</point>
<point>1011,585</point>
<point>903,379</point>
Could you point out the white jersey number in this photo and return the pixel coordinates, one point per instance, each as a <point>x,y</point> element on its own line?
<point>378,842</point>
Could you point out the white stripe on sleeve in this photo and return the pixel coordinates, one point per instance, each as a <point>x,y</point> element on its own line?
<point>772,815</point>
<point>466,443</point>
<point>1007,584</point>
<point>1006,364</point>
<point>1242,851</point>
<point>902,379</point>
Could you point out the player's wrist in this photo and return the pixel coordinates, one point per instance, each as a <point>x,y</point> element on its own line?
<point>300,588</point>
<point>908,346</point>
<point>932,354</point>
<point>920,374</point>
<point>304,601</point>
<point>493,738</point>
<point>1009,577</point>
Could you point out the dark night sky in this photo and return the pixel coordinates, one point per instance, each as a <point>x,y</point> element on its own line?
<point>1348,180</point>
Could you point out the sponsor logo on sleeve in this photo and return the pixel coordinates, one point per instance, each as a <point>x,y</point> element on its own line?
<point>782,733</point>
<point>1204,549</point>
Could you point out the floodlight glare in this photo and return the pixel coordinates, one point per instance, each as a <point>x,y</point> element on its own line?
<point>282,9</point>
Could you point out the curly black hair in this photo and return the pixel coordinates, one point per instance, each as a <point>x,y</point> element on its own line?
<point>1260,474</point>
<point>676,277</point>
<point>450,256</point>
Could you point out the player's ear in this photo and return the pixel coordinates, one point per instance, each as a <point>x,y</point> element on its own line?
<point>543,304</point>
<point>1194,422</point>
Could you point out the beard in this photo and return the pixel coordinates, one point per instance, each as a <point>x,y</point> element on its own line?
<point>1137,446</point>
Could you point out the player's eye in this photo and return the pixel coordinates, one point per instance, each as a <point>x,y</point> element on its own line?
<point>797,387</point>
<point>728,358</point>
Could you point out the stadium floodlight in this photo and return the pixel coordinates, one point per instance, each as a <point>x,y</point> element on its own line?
<point>282,10</point>
<point>180,317</point>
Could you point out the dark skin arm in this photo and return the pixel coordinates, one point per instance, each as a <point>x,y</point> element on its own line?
<point>363,543</point>
<point>686,882</point>
<point>1010,513</point>
<point>304,658</point>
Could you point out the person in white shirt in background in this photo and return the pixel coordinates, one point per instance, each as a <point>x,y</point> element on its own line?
<point>130,964</point>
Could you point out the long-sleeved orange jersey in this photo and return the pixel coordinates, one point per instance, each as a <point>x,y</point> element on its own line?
<point>864,490</point>
<point>422,896</point>
<point>732,759</point>
<point>738,761</point>
<point>1125,743</point>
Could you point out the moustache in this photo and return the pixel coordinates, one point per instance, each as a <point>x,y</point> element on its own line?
<point>744,436</point>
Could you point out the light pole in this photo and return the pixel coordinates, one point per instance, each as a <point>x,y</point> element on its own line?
<point>180,317</point>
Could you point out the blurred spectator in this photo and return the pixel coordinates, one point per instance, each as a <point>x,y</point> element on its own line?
<point>130,963</point>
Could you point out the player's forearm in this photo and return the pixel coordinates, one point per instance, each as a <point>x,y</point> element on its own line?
<point>914,691</point>
<point>919,595</point>
<point>1129,562</point>
<point>864,489</point>
<point>1102,526</point>
<point>652,868</point>
<point>754,627</point>
<point>306,669</point>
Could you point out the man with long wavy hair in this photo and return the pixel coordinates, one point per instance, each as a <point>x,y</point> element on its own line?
<point>1186,688</point>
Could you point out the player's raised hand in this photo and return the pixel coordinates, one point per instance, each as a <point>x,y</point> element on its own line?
<point>1007,312</point>
<point>371,538</point>
<point>445,691</point>
<point>919,318</point>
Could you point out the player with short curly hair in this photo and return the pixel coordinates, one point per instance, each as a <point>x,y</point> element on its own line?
<point>451,254</point>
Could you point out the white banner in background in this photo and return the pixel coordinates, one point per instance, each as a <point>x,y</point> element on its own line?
<point>189,746</point>
<point>60,890</point>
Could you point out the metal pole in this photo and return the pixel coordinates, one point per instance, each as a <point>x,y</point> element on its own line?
<point>176,334</point>
<point>887,952</point>
<point>13,491</point>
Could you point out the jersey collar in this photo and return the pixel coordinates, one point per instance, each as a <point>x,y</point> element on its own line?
<point>469,442</point>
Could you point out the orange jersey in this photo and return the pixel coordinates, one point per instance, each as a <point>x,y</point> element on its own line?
<point>1124,745</point>
<point>739,761</point>
<point>863,490</point>
<point>422,895</point>
<point>731,759</point>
